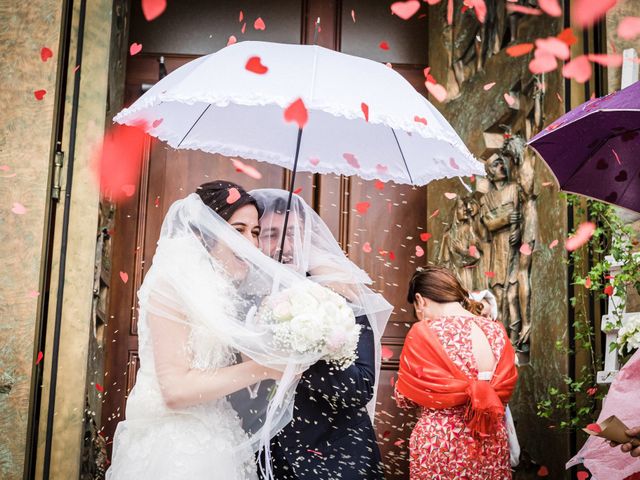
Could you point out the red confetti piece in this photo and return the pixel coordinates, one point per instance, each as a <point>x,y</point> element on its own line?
<point>45,54</point>
<point>479,7</point>
<point>351,160</point>
<point>379,185</point>
<point>383,45</point>
<point>259,24</point>
<point>40,355</point>
<point>135,48</point>
<point>425,236</point>
<point>524,10</point>
<point>18,209</point>
<point>582,475</point>
<point>99,387</point>
<point>298,191</point>
<point>594,427</point>
<point>254,64</point>
<point>124,276</point>
<point>365,110</point>
<point>553,244</point>
<point>232,40</point>
<point>509,99</point>
<point>542,62</point>
<point>240,16</point>
<point>392,381</point>
<point>405,10</point>
<point>525,249</point>
<point>629,28</point>
<point>362,207</point>
<point>353,15</point>
<point>587,12</point>
<point>583,234</point>
<point>419,251</point>
<point>33,294</point>
<point>437,90</point>
<point>156,123</point>
<point>233,195</point>
<point>567,36</point>
<point>39,94</point>
<point>550,7</point>
<point>519,50</point>
<point>152,9</point>
<point>244,28</point>
<point>608,290</point>
<point>366,248</point>
<point>297,112</point>
<point>450,195</point>
<point>156,202</point>
<point>553,46</point>
<point>587,282</point>
<point>608,60</point>
<point>489,86</point>
<point>386,353</point>
<point>399,442</point>
<point>392,256</point>
<point>435,213</point>
<point>450,12</point>
<point>592,391</point>
<point>473,251</point>
<point>489,274</point>
<point>543,471</point>
<point>314,161</point>
<point>248,170</point>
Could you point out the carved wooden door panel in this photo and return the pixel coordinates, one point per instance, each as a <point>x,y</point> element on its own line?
<point>391,227</point>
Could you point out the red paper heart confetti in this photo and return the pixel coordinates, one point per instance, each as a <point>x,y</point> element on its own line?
<point>383,45</point>
<point>298,191</point>
<point>450,195</point>
<point>233,195</point>
<point>351,160</point>
<point>594,427</point>
<point>420,119</point>
<point>240,16</point>
<point>232,40</point>
<point>124,276</point>
<point>18,209</point>
<point>244,28</point>
<point>99,388</point>
<point>366,248</point>
<point>519,49</point>
<point>489,86</point>
<point>419,251</point>
<point>592,391</point>
<point>152,9</point>
<point>379,185</point>
<point>629,28</point>
<point>405,10</point>
<point>435,213</point>
<point>399,442</point>
<point>392,256</point>
<point>437,90</point>
<point>353,15</point>
<point>585,13</point>
<point>543,471</point>
<point>39,359</point>
<point>525,249</point>
<point>553,46</point>
<point>39,94</point>
<point>608,290</point>
<point>362,207</point>
<point>587,282</point>
<point>425,236</point>
<point>314,161</point>
<point>45,54</point>
<point>582,475</point>
<point>473,251</point>
<point>387,353</point>
<point>606,59</point>
<point>489,274</point>
<point>509,99</point>
<point>542,63</point>
<point>553,244</point>
<point>567,36</point>
<point>365,110</point>
<point>297,112</point>
<point>247,169</point>
<point>254,64</point>
<point>550,7</point>
<point>259,24</point>
<point>512,8</point>
<point>479,7</point>
<point>135,48</point>
<point>583,234</point>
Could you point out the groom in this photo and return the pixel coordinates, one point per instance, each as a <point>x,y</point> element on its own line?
<point>331,435</point>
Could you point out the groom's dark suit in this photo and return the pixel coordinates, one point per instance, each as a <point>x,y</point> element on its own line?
<point>331,435</point>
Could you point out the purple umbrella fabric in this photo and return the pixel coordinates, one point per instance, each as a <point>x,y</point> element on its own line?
<point>594,150</point>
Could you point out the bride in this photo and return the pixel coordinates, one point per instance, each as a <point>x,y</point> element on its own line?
<point>198,346</point>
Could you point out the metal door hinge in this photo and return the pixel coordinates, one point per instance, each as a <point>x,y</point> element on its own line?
<point>57,175</point>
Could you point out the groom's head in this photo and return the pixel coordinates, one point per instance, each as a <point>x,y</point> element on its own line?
<point>272,227</point>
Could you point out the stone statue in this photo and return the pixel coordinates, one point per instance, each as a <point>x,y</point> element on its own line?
<point>456,251</point>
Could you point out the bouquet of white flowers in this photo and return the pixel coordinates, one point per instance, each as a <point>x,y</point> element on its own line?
<point>629,334</point>
<point>309,318</point>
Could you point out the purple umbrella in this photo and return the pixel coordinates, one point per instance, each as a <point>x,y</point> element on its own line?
<point>594,150</point>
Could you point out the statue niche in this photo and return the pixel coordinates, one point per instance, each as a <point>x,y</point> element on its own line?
<point>500,221</point>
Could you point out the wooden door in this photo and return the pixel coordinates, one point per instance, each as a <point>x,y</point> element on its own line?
<point>391,226</point>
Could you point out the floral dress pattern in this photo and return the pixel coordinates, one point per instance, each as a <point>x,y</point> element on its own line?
<point>441,446</point>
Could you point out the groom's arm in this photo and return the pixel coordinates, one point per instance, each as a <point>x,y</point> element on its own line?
<point>352,387</point>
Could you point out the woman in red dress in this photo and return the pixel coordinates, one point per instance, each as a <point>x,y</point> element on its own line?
<point>459,368</point>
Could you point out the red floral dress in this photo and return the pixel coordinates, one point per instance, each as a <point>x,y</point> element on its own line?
<point>441,446</point>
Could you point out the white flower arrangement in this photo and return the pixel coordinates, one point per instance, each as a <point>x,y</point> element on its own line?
<point>311,319</point>
<point>629,334</point>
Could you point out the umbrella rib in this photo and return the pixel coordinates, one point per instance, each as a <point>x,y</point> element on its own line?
<point>402,155</point>
<point>195,123</point>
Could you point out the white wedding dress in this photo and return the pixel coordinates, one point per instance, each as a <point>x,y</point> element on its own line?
<point>157,442</point>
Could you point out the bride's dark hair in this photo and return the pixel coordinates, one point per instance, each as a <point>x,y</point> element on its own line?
<point>214,195</point>
<point>442,286</point>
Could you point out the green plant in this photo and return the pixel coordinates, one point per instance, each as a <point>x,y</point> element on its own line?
<point>576,405</point>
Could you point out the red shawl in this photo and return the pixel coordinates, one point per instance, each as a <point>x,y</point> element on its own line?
<point>429,377</point>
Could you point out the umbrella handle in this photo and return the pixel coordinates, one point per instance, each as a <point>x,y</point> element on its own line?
<point>291,187</point>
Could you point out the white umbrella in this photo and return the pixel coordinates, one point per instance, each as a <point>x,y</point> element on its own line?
<point>363,118</point>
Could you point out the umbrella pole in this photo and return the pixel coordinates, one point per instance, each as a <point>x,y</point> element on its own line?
<point>291,187</point>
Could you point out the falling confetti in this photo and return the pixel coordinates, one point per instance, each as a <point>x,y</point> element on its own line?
<point>18,209</point>
<point>587,282</point>
<point>351,160</point>
<point>233,195</point>
<point>297,112</point>
<point>489,274</point>
<point>232,40</point>
<point>362,207</point>
<point>419,251</point>
<point>240,16</point>
<point>33,294</point>
<point>99,388</point>
<point>578,69</point>
<point>405,10</point>
<point>39,94</point>
<point>567,36</point>
<point>152,9</point>
<point>379,185</point>
<point>450,195</point>
<point>365,110</point>
<point>553,244</point>
<point>489,86</point>
<point>437,90</point>
<point>586,12</point>
<point>246,169</point>
<point>298,191</point>
<point>543,471</point>
<point>525,249</point>
<point>435,213</point>
<point>254,64</point>
<point>39,359</point>
<point>135,48</point>
<point>425,236</point>
<point>45,54</point>
<point>383,45</point>
<point>473,251</point>
<point>353,15</point>
<point>522,9</point>
<point>420,119</point>
<point>550,7</point>
<point>519,49</point>
<point>366,248</point>
<point>387,353</point>
<point>156,123</point>
<point>124,276</point>
<point>259,24</point>
<point>509,99</point>
<point>606,59</point>
<point>629,28</point>
<point>584,232</point>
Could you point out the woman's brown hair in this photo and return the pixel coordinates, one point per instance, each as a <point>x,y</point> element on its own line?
<point>442,286</point>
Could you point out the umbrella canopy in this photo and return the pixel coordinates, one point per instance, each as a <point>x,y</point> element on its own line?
<point>594,149</point>
<point>363,118</point>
